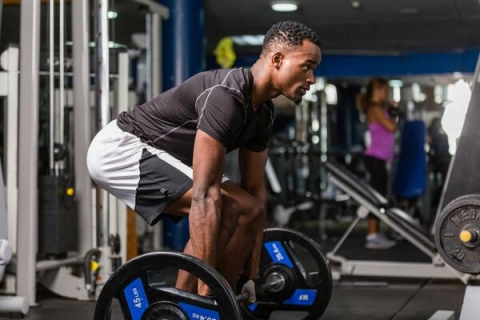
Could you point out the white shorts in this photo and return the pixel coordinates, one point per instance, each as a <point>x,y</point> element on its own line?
<point>145,178</point>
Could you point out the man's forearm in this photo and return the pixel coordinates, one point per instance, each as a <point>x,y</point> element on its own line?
<point>252,265</point>
<point>204,224</point>
<point>260,193</point>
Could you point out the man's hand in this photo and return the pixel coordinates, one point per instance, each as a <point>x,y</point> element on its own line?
<point>249,290</point>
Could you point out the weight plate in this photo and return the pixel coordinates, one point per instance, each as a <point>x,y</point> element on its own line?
<point>308,278</point>
<point>142,290</point>
<point>459,215</point>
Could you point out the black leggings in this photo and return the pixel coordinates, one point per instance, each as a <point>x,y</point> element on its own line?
<point>377,170</point>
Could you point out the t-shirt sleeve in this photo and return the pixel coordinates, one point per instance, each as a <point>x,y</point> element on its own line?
<point>260,142</point>
<point>221,114</point>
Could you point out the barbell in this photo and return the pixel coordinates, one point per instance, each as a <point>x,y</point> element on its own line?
<point>294,276</point>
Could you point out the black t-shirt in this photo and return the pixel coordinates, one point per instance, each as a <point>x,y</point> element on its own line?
<point>216,102</point>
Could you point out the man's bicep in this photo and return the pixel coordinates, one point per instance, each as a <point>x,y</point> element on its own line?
<point>221,114</point>
<point>252,168</point>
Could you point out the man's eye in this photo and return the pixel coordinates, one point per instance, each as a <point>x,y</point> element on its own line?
<point>305,68</point>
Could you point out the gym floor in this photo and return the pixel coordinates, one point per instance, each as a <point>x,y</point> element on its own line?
<point>358,298</point>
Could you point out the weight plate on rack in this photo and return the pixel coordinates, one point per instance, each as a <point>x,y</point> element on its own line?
<point>457,234</point>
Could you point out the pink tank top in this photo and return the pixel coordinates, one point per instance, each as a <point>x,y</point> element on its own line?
<point>382,142</point>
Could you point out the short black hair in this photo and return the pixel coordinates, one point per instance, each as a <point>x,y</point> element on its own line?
<point>289,34</point>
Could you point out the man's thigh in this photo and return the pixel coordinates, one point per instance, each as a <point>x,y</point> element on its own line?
<point>233,196</point>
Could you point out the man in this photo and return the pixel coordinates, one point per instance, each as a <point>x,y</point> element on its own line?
<point>167,155</point>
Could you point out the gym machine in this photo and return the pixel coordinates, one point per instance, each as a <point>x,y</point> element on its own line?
<point>9,89</point>
<point>457,236</point>
<point>457,227</point>
<point>293,171</point>
<point>65,272</point>
<point>13,305</point>
<point>372,202</point>
<point>108,261</point>
<point>456,250</point>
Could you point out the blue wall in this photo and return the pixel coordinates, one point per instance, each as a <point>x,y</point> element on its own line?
<point>391,65</point>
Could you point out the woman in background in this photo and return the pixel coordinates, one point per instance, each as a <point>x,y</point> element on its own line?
<point>381,126</point>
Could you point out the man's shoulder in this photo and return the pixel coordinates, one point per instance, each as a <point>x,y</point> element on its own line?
<point>237,78</point>
<point>222,74</point>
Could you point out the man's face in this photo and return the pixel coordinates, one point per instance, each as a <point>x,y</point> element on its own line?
<point>295,69</point>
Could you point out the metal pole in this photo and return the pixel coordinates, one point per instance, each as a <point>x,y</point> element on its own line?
<point>51,83</point>
<point>61,44</point>
<point>102,87</point>
<point>153,89</point>
<point>101,96</point>
<point>28,149</point>
<point>156,41</point>
<point>148,54</point>
<point>83,121</point>
<point>54,264</point>
<point>102,109</point>
<point>1,7</point>
<point>122,82</point>
<point>122,105</point>
<point>9,61</point>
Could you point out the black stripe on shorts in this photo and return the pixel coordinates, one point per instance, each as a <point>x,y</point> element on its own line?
<point>160,184</point>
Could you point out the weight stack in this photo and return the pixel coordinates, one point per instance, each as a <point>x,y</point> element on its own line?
<point>57,217</point>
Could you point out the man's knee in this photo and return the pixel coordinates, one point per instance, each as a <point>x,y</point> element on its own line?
<point>251,214</point>
<point>231,211</point>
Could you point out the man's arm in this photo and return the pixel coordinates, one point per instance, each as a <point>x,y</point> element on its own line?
<point>208,163</point>
<point>252,170</point>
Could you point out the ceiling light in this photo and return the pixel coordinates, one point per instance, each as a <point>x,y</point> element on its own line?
<point>395,83</point>
<point>457,75</point>
<point>284,5</point>
<point>409,11</point>
<point>248,40</point>
<point>112,15</point>
<point>355,4</point>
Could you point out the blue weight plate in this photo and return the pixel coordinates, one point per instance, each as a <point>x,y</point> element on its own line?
<point>307,274</point>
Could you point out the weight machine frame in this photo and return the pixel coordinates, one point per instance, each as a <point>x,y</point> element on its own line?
<point>372,202</point>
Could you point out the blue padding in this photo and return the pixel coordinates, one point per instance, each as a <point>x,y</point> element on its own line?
<point>384,65</point>
<point>196,312</point>
<point>136,298</point>
<point>409,179</point>
<point>277,253</point>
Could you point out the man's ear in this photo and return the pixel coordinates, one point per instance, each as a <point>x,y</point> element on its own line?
<point>277,59</point>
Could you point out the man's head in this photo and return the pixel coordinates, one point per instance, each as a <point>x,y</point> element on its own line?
<point>287,36</point>
<point>293,51</point>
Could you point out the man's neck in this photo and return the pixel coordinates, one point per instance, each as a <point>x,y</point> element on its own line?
<point>262,85</point>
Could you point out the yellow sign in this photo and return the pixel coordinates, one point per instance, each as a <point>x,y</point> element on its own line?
<point>224,52</point>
